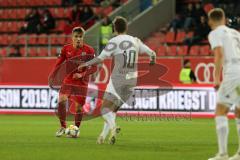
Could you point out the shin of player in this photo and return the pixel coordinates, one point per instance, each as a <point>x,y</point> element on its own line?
<point>225,43</point>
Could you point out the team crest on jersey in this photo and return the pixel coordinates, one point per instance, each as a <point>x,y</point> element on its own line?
<point>84,53</point>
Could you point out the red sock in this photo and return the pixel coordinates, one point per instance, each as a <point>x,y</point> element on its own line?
<point>62,114</point>
<point>78,119</point>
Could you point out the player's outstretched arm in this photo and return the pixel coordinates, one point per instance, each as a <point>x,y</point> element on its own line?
<point>145,49</point>
<point>92,62</point>
<point>104,54</point>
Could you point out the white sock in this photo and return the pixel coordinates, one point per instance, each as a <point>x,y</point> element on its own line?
<point>105,130</point>
<point>109,117</point>
<point>222,133</point>
<point>114,116</point>
<point>238,132</point>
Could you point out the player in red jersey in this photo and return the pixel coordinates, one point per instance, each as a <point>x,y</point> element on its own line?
<point>74,86</point>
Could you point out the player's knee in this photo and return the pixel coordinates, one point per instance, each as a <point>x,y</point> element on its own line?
<point>221,109</point>
<point>62,99</point>
<point>105,110</point>
<point>79,108</point>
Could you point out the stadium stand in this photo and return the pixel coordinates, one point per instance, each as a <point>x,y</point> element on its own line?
<point>14,23</point>
<point>185,35</point>
<point>179,38</point>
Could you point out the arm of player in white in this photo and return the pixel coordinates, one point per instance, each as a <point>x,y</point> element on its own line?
<point>218,58</point>
<point>145,49</point>
<point>216,45</point>
<point>97,60</point>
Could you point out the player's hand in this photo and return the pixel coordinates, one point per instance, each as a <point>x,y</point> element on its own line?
<point>152,61</point>
<point>77,75</point>
<point>81,66</point>
<point>217,85</point>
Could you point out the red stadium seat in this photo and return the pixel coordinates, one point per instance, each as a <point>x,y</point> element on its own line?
<point>61,39</point>
<point>194,51</point>
<point>88,1</point>
<point>42,51</point>
<point>42,39</point>
<point>189,34</point>
<point>182,50</point>
<point>205,50</point>
<point>98,10</point>
<point>32,39</point>
<point>152,45</point>
<point>1,12</point>
<point>12,13</point>
<point>4,3</point>
<point>14,27</point>
<point>23,3</point>
<point>54,39</point>
<point>180,37</point>
<point>22,51</point>
<point>60,25</point>
<point>161,51</point>
<point>6,14</point>
<point>107,10</point>
<point>13,39</point>
<point>32,51</point>
<point>160,36</point>
<point>170,37</point>
<point>54,51</point>
<point>68,39</point>
<point>3,52</point>
<point>22,39</point>
<point>171,50</point>
<point>3,26</point>
<point>20,13</point>
<point>59,13</point>
<point>4,39</point>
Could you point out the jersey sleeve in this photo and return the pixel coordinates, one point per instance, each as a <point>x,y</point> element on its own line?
<point>144,48</point>
<point>108,51</point>
<point>215,40</point>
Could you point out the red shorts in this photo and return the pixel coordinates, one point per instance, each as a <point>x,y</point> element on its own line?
<point>75,93</point>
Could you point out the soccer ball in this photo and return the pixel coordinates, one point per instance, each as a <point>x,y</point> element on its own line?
<point>72,131</point>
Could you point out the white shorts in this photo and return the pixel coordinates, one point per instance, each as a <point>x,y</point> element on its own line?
<point>229,93</point>
<point>118,94</point>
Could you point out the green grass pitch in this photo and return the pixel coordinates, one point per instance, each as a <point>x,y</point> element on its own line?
<point>33,138</point>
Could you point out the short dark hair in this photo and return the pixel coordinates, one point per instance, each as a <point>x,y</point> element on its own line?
<point>120,24</point>
<point>216,14</point>
<point>186,61</point>
<point>78,30</point>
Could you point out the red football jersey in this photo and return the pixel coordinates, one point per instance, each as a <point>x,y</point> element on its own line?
<point>85,53</point>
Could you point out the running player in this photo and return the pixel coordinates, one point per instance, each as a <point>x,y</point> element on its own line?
<point>225,43</point>
<point>125,50</point>
<point>80,51</point>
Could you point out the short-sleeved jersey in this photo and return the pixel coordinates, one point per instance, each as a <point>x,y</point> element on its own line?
<point>229,40</point>
<point>125,50</point>
<point>85,53</point>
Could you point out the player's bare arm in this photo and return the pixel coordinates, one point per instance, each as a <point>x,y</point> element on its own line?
<point>92,62</point>
<point>218,56</point>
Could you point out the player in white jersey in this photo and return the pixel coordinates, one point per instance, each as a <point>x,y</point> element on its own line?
<point>125,50</point>
<point>225,43</point>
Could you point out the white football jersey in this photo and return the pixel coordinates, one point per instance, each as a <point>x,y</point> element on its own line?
<point>125,50</point>
<point>229,40</point>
